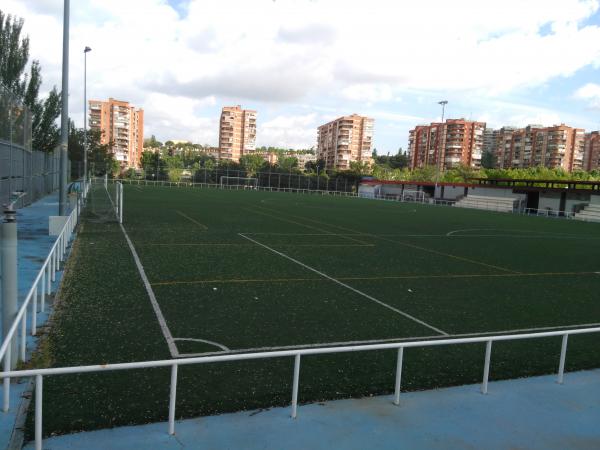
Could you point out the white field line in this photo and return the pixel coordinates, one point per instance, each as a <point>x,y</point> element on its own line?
<point>159,315</point>
<point>204,341</point>
<point>381,341</point>
<point>347,286</point>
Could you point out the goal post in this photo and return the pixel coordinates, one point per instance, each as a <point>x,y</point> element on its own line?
<point>227,182</point>
<point>413,196</point>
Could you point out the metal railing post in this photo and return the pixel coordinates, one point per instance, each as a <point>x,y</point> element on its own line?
<point>6,383</point>
<point>34,313</point>
<point>563,355</point>
<point>23,336</point>
<point>43,282</point>
<point>38,412</point>
<point>172,399</point>
<point>486,367</point>
<point>398,376</point>
<point>295,386</point>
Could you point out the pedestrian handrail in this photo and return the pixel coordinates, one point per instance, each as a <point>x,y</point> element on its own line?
<point>42,285</point>
<point>297,354</point>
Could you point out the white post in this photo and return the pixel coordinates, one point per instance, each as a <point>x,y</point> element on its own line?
<point>120,203</point>
<point>43,282</point>
<point>6,380</point>
<point>563,355</point>
<point>34,313</point>
<point>23,335</point>
<point>295,386</point>
<point>38,412</point>
<point>486,368</point>
<point>172,398</point>
<point>398,376</point>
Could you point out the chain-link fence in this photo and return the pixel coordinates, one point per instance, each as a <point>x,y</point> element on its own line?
<point>21,168</point>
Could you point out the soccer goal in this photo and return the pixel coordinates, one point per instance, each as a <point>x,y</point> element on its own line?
<point>413,196</point>
<point>238,182</point>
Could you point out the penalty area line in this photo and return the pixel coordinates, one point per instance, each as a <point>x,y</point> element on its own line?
<point>347,286</point>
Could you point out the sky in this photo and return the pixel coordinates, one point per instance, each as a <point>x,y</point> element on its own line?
<point>302,63</point>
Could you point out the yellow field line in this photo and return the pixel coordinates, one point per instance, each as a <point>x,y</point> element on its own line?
<point>191,220</point>
<point>390,277</point>
<point>307,226</point>
<point>449,255</point>
<point>252,245</point>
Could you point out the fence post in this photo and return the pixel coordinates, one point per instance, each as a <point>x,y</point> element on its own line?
<point>398,376</point>
<point>563,355</point>
<point>38,412</point>
<point>486,368</point>
<point>172,399</point>
<point>295,386</point>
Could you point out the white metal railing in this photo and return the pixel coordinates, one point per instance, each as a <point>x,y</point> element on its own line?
<point>297,354</point>
<point>232,187</point>
<point>41,286</point>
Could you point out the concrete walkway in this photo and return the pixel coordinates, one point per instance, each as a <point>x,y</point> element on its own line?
<point>33,247</point>
<point>530,413</point>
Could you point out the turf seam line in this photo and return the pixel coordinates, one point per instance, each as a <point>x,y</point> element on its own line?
<point>328,233</point>
<point>159,315</point>
<point>374,278</point>
<point>449,255</point>
<point>191,220</point>
<point>377,341</point>
<point>347,286</point>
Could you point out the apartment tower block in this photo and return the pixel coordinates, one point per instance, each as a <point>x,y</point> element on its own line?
<point>446,145</point>
<point>237,132</point>
<point>344,140</point>
<point>122,125</point>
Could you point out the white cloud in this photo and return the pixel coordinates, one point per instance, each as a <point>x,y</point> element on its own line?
<point>590,93</point>
<point>307,51</point>
<point>289,131</point>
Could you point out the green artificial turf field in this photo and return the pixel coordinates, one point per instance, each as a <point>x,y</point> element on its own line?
<point>236,271</point>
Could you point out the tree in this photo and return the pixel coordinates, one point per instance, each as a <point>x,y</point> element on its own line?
<point>252,163</point>
<point>14,56</point>
<point>487,160</point>
<point>287,163</point>
<point>100,158</point>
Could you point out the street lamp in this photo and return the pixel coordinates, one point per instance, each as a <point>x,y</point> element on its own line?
<point>439,154</point>
<point>85,136</point>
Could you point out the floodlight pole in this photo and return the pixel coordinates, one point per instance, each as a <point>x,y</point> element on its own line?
<point>438,162</point>
<point>85,135</point>
<point>64,119</point>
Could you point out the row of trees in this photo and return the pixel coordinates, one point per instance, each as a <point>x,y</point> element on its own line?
<point>25,85</point>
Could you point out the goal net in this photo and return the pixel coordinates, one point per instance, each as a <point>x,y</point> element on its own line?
<point>103,202</point>
<point>238,182</point>
<point>413,196</point>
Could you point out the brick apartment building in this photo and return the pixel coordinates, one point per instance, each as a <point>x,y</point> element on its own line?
<point>446,145</point>
<point>237,132</point>
<point>558,146</point>
<point>346,139</point>
<point>591,160</point>
<point>121,124</point>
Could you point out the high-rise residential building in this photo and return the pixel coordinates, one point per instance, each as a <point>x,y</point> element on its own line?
<point>500,146</point>
<point>591,160</point>
<point>237,132</point>
<point>122,125</point>
<point>446,145</point>
<point>346,139</point>
<point>558,146</point>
